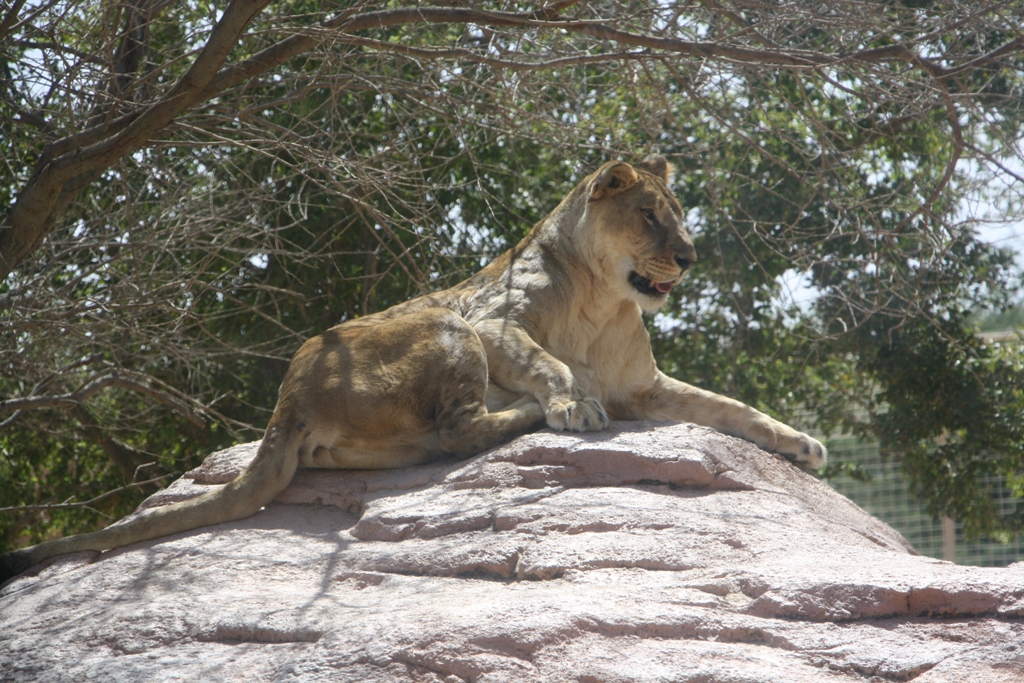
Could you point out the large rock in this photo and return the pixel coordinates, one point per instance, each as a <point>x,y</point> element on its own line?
<point>642,553</point>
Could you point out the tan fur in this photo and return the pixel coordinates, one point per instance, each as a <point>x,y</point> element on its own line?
<point>549,333</point>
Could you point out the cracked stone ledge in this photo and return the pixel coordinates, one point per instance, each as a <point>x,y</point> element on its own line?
<point>649,552</point>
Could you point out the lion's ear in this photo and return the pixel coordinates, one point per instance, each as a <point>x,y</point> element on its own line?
<point>658,165</point>
<point>612,179</point>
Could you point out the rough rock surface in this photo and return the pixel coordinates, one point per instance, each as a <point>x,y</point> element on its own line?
<point>642,553</point>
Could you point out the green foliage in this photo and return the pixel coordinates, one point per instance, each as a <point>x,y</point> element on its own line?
<point>1009,318</point>
<point>954,414</point>
<point>352,178</point>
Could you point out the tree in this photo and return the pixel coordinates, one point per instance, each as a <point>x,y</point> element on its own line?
<point>193,191</point>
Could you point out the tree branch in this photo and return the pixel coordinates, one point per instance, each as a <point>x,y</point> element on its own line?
<point>471,56</point>
<point>74,399</point>
<point>35,209</point>
<point>127,458</point>
<point>84,503</point>
<point>77,161</point>
<point>10,18</point>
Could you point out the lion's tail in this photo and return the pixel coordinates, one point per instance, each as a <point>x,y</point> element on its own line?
<point>266,476</point>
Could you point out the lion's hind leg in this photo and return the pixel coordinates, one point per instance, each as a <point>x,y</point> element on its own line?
<point>477,432</point>
<point>465,426</point>
<point>405,390</point>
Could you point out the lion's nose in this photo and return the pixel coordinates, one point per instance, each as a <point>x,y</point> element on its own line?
<point>686,255</point>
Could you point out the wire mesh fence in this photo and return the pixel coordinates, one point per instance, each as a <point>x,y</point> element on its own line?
<point>884,493</point>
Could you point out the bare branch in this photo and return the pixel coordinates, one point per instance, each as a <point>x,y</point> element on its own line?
<point>72,164</point>
<point>462,54</point>
<point>126,457</point>
<point>75,399</point>
<point>10,17</point>
<point>84,503</point>
<point>32,214</point>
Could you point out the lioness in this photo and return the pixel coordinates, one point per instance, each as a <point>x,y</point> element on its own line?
<point>548,334</point>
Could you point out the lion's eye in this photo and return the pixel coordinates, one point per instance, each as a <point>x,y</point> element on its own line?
<point>648,214</point>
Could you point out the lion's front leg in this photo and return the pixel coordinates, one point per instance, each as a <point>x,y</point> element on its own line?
<point>517,363</point>
<point>670,399</point>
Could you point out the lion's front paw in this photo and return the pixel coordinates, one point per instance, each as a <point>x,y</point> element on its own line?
<point>585,415</point>
<point>804,449</point>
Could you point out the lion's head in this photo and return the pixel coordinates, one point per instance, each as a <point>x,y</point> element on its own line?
<point>639,241</point>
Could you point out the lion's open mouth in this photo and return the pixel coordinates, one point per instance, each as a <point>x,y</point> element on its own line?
<point>645,286</point>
